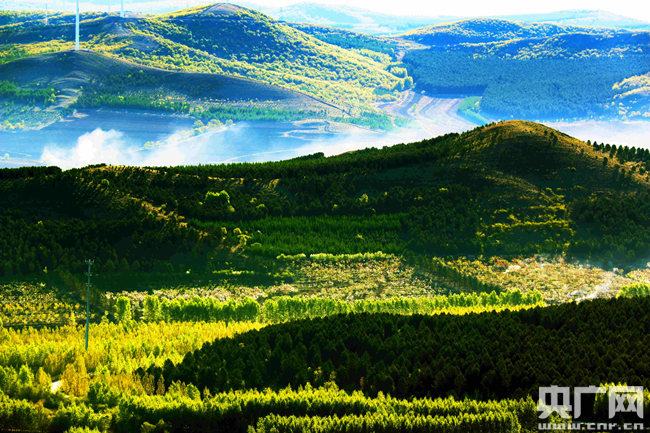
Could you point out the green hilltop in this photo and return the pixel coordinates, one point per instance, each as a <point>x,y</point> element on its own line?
<point>534,71</point>
<point>80,79</point>
<point>482,30</point>
<point>504,189</point>
<point>222,39</point>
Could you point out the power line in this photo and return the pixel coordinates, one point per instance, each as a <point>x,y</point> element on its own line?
<point>90,262</point>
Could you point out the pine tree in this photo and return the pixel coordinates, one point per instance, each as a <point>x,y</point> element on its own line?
<point>124,265</point>
<point>160,389</point>
<point>123,310</point>
<point>43,381</point>
<point>109,266</point>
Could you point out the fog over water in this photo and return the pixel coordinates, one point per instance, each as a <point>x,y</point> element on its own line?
<point>120,140</point>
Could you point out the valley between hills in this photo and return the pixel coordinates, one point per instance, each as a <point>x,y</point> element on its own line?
<point>433,276</point>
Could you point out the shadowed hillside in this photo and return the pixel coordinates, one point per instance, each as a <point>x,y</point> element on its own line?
<point>505,189</point>
<point>70,71</point>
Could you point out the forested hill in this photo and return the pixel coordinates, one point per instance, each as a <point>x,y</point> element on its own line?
<point>482,30</point>
<point>93,79</point>
<point>370,22</point>
<point>530,71</point>
<point>359,42</point>
<point>220,38</point>
<point>504,189</point>
<point>534,71</point>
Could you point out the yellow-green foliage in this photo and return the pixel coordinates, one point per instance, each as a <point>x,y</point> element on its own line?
<point>291,257</point>
<point>631,96</point>
<point>35,303</point>
<point>635,289</point>
<point>121,348</point>
<point>293,308</point>
<point>325,257</point>
<point>243,43</point>
<point>329,406</point>
<point>13,51</point>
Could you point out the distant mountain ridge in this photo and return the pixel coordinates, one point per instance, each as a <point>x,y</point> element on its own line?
<point>370,22</point>
<point>485,30</point>
<point>532,71</point>
<point>364,20</point>
<point>593,18</point>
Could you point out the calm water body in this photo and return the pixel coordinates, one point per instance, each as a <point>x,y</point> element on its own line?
<point>119,139</point>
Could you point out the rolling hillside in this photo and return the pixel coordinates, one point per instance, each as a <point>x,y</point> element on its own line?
<point>482,30</point>
<point>509,188</point>
<point>370,22</point>
<point>532,71</point>
<point>68,72</point>
<point>353,40</point>
<point>223,39</point>
<point>350,18</point>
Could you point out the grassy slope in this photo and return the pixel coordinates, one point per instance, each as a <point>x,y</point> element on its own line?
<point>218,39</point>
<point>535,157</point>
<point>69,71</point>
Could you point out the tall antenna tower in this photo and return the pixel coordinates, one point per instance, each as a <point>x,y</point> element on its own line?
<point>90,262</point>
<point>76,38</point>
<point>122,10</point>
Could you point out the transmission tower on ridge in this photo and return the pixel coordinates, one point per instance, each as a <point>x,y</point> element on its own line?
<point>76,37</point>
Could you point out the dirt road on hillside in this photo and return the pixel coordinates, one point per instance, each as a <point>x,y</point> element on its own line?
<point>433,114</point>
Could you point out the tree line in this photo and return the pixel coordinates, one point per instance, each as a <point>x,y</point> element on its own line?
<point>284,308</point>
<point>327,408</point>
<point>539,87</point>
<point>509,354</point>
<point>327,205</point>
<point>9,90</point>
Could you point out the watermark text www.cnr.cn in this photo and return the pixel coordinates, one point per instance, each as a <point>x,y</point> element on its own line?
<point>592,426</point>
<point>621,399</point>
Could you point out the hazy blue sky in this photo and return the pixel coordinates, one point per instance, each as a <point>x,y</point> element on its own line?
<point>639,9</point>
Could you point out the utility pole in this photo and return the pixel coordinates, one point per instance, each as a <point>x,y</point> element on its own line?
<point>76,39</point>
<point>90,262</point>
